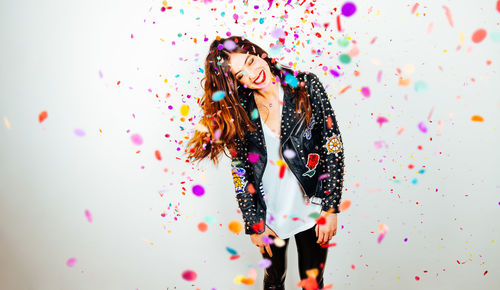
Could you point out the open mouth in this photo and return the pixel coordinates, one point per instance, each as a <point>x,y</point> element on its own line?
<point>262,77</point>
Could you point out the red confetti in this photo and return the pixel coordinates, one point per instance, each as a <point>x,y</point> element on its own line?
<point>158,155</point>
<point>42,116</point>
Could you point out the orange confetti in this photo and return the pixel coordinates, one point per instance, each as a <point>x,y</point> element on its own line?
<point>479,35</point>
<point>477,118</point>
<point>202,227</point>
<point>235,227</point>
<point>345,205</point>
<point>42,116</point>
<point>158,155</point>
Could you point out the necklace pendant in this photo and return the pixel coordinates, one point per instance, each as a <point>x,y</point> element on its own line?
<point>270,105</point>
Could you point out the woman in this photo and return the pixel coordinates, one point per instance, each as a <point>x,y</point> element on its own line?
<point>286,152</point>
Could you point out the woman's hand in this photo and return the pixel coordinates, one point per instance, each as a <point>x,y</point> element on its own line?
<point>257,240</point>
<point>328,230</point>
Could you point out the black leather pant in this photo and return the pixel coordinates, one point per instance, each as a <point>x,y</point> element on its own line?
<point>310,255</point>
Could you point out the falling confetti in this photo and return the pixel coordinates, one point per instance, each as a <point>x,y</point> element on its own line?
<point>348,9</point>
<point>198,190</point>
<point>184,110</point>
<point>479,35</point>
<point>217,96</point>
<point>71,262</point>
<point>88,215</point>
<point>136,139</point>
<point>477,118</point>
<point>189,275</point>
<point>235,227</point>
<point>42,116</point>
<point>79,132</point>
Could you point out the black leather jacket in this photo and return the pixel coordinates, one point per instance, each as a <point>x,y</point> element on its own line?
<point>318,164</point>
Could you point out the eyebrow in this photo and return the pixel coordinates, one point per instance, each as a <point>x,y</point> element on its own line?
<point>248,55</point>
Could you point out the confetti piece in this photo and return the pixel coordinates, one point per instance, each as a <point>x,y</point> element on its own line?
<point>343,42</point>
<point>198,190</point>
<point>477,118</point>
<point>231,251</point>
<point>202,227</point>
<point>291,80</point>
<point>201,128</point>
<point>321,220</point>
<point>42,116</point>
<point>279,242</point>
<point>288,153</point>
<point>184,110</point>
<point>381,120</point>
<point>344,58</point>
<point>348,9</point>
<point>382,228</point>
<point>71,262</point>
<point>422,127</point>
<point>365,91</point>
<point>253,157</point>
<point>217,96</point>
<point>258,227</point>
<point>478,35</point>
<point>264,263</point>
<point>189,275</point>
<point>158,155</point>
<point>136,139</point>
<point>6,122</point>
<point>79,132</point>
<point>254,114</point>
<point>414,8</point>
<point>344,205</point>
<point>498,6</point>
<point>235,227</point>
<point>88,215</point>
<point>448,15</point>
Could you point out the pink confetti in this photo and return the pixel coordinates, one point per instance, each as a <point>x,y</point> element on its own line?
<point>71,262</point>
<point>79,132</point>
<point>365,91</point>
<point>88,215</point>
<point>381,120</point>
<point>422,127</point>
<point>136,139</point>
<point>448,15</point>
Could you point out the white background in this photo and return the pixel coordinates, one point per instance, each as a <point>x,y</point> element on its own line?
<point>53,53</point>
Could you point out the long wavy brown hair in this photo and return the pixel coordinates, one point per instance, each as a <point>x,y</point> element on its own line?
<point>225,120</point>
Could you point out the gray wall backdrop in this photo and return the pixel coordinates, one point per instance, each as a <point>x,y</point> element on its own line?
<point>105,70</point>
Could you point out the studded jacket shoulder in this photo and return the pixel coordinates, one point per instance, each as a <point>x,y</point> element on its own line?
<point>318,164</point>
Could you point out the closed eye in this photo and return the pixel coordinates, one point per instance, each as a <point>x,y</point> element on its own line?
<point>239,77</point>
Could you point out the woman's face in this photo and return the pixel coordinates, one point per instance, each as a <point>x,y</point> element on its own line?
<point>250,70</point>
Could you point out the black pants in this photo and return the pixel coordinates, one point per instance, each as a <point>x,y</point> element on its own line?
<point>310,255</point>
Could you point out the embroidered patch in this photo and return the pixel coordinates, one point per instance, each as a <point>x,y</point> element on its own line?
<point>333,145</point>
<point>307,133</point>
<point>239,179</point>
<point>312,162</point>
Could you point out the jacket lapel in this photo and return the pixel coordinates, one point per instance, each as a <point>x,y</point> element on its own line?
<point>288,122</point>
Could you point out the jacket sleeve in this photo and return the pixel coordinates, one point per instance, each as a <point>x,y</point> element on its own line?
<point>245,189</point>
<point>332,151</point>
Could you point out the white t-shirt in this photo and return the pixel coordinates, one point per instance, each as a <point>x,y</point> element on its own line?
<point>287,213</point>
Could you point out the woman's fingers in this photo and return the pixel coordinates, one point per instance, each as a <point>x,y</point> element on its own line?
<point>321,235</point>
<point>268,248</point>
<point>261,249</point>
<point>316,230</point>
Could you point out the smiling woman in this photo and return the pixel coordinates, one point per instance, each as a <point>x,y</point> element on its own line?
<point>240,77</point>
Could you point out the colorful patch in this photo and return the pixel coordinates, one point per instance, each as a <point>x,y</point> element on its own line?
<point>312,162</point>
<point>307,133</point>
<point>333,145</point>
<point>239,179</point>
